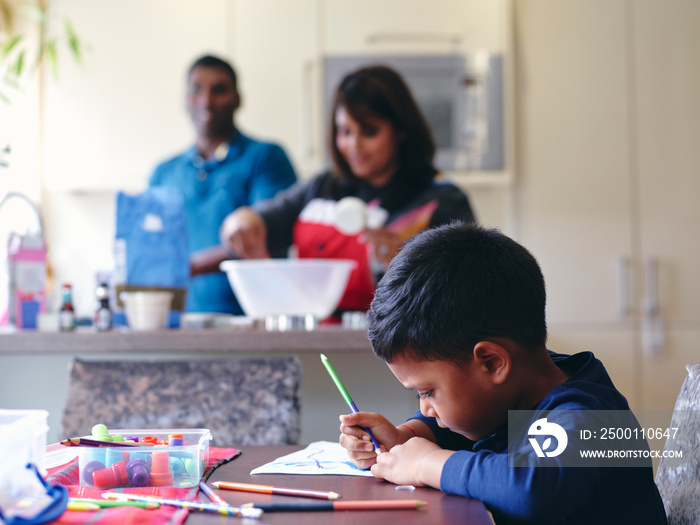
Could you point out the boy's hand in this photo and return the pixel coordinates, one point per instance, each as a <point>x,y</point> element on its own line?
<point>417,462</point>
<point>356,441</point>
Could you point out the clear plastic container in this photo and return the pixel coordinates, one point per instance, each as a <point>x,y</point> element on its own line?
<point>22,441</point>
<point>161,465</point>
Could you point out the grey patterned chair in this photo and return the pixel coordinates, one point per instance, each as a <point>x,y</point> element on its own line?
<point>242,401</point>
<point>679,481</point>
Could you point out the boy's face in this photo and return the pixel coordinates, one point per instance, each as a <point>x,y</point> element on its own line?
<point>459,397</point>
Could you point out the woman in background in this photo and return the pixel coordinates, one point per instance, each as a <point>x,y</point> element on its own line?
<point>382,152</point>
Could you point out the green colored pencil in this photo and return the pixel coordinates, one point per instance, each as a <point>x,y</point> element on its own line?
<point>117,503</point>
<point>348,399</point>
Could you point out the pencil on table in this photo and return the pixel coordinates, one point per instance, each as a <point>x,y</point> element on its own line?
<point>391,504</point>
<point>213,496</point>
<point>201,506</point>
<point>86,442</point>
<point>268,489</point>
<point>116,503</point>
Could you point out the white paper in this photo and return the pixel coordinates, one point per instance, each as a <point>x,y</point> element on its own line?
<point>321,457</point>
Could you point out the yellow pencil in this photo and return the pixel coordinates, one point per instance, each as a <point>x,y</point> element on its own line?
<point>81,505</point>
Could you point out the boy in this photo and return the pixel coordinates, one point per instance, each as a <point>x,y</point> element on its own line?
<point>460,318</point>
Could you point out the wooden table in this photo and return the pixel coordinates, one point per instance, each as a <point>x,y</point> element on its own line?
<point>441,508</point>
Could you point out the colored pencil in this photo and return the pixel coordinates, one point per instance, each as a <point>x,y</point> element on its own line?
<point>201,506</point>
<point>268,489</point>
<point>81,506</point>
<point>348,399</point>
<point>390,504</point>
<point>211,494</point>
<point>116,503</point>
<point>87,442</point>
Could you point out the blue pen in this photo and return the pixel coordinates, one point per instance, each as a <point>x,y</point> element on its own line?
<point>348,399</point>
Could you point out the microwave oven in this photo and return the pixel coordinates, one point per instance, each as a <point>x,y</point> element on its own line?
<point>461,98</point>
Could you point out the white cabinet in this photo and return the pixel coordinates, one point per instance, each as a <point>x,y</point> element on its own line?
<point>106,124</point>
<point>415,26</point>
<point>276,51</point>
<point>608,128</point>
<point>667,83</point>
<point>279,47</point>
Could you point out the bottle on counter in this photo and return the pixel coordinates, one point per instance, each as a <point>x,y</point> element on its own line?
<point>67,312</point>
<point>103,314</point>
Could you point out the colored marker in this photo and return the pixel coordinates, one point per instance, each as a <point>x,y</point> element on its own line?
<point>211,494</point>
<point>390,504</point>
<point>268,489</point>
<point>201,506</point>
<point>116,503</point>
<point>348,399</point>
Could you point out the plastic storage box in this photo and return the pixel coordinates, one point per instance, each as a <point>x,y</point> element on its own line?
<point>22,440</point>
<point>161,465</point>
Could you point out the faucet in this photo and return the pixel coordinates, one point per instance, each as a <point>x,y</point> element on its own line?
<point>22,196</point>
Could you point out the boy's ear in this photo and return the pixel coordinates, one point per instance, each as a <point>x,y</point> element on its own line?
<point>494,360</point>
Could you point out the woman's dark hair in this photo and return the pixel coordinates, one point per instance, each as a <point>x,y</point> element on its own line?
<point>380,92</point>
<point>455,285</point>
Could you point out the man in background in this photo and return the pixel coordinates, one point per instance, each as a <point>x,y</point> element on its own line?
<point>223,170</point>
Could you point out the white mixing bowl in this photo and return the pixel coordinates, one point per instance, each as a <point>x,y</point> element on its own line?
<point>293,287</point>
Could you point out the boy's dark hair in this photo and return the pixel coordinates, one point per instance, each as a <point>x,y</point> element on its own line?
<point>216,63</point>
<point>379,91</point>
<point>455,285</point>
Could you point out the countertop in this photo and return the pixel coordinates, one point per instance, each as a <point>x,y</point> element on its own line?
<point>212,340</point>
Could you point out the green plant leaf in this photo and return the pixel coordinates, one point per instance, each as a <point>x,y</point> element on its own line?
<point>10,45</point>
<point>51,55</point>
<point>74,42</point>
<point>18,66</point>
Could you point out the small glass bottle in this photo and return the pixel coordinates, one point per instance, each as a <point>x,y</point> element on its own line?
<point>103,315</point>
<point>67,312</point>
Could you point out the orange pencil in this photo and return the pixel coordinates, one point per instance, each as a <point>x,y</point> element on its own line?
<point>268,489</point>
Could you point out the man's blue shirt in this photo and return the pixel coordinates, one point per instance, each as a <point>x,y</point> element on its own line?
<point>249,171</point>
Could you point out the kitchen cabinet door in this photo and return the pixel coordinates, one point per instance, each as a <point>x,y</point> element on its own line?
<point>415,26</point>
<point>107,123</point>
<point>277,51</point>
<point>608,148</point>
<point>574,199</point>
<point>667,133</point>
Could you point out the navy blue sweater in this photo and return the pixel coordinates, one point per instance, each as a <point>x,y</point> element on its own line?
<point>557,495</point>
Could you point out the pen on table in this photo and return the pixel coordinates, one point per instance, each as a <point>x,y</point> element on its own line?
<point>268,489</point>
<point>202,506</point>
<point>348,399</point>
<point>390,504</point>
<point>116,503</point>
<point>211,494</point>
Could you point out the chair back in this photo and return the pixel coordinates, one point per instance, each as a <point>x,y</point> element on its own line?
<point>242,401</point>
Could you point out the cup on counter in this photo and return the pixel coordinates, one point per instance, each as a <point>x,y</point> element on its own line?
<point>147,310</point>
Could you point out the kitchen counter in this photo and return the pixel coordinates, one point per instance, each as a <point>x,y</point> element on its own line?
<point>34,367</point>
<point>216,341</point>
